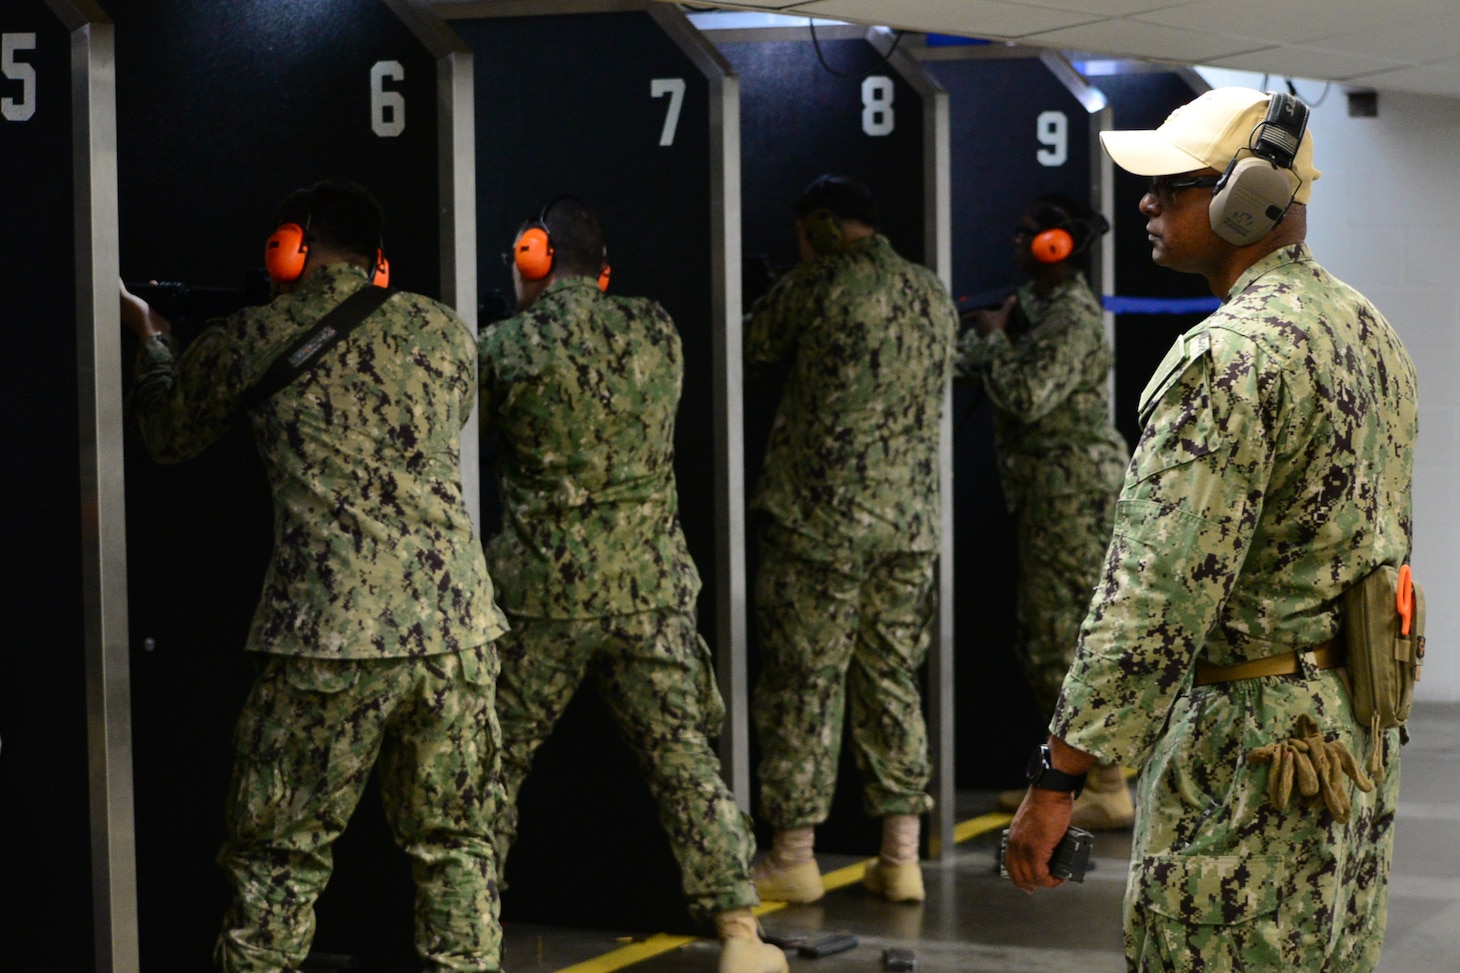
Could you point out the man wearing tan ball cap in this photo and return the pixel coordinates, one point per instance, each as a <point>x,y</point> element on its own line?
<point>1272,474</point>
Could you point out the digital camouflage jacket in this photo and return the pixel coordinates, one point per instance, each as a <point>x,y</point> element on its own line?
<point>583,389</point>
<point>1049,388</point>
<point>852,463</point>
<point>1273,472</point>
<point>374,551</point>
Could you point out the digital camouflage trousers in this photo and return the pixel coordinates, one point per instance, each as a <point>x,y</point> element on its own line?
<point>654,673</point>
<point>310,734</point>
<point>1062,542</point>
<point>849,633</point>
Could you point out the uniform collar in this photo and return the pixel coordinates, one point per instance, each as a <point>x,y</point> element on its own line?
<point>1297,253</point>
<point>566,283</point>
<point>874,241</point>
<point>332,277</point>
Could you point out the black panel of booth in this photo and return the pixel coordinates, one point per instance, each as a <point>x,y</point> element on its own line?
<point>222,110</point>
<point>45,894</point>
<point>1016,131</point>
<point>1143,100</point>
<point>798,119</point>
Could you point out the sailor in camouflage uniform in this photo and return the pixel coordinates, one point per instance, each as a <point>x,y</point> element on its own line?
<point>376,622</point>
<point>1060,459</point>
<point>582,389</point>
<point>1273,473</point>
<point>850,532</point>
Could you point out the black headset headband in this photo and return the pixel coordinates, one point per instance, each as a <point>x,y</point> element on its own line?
<point>1094,223</point>
<point>547,208</point>
<point>1278,136</point>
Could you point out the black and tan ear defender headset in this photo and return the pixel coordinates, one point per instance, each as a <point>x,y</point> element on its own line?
<point>1255,192</point>
<point>533,251</point>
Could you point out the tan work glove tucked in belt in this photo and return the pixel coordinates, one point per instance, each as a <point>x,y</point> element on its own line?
<point>1318,766</point>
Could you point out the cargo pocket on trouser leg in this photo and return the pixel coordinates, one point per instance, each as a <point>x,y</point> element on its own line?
<point>712,704</point>
<point>286,748</point>
<point>1207,914</point>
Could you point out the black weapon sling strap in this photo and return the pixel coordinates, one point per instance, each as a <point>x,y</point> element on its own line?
<point>310,347</point>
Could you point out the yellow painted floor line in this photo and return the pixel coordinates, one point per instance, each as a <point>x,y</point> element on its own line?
<point>983,824</point>
<point>842,877</point>
<point>630,954</point>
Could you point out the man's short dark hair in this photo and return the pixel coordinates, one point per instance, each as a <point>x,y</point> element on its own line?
<point>578,245</point>
<point>338,214</point>
<point>843,195</point>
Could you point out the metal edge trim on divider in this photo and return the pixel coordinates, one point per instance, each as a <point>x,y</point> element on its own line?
<point>456,205</point>
<point>103,501</point>
<point>732,664</point>
<point>826,30</point>
<point>422,20</point>
<point>1102,191</point>
<point>938,245</point>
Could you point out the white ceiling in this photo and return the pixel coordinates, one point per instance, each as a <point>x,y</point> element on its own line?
<point>1387,45</point>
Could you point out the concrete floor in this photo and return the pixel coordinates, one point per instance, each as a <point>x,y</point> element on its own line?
<point>974,921</point>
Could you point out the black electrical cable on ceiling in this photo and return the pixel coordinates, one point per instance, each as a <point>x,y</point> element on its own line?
<point>811,23</point>
<point>1293,90</point>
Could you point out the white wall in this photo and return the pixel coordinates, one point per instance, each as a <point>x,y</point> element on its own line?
<point>1385,217</point>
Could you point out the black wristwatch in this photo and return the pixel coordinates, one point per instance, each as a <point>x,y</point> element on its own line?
<point>1041,773</point>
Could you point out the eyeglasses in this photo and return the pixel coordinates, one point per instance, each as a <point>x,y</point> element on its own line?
<point>1164,188</point>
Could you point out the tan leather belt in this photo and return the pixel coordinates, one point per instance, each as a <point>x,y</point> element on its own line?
<point>1325,655</point>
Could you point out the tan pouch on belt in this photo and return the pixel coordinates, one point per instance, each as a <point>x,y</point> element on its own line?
<point>1383,660</point>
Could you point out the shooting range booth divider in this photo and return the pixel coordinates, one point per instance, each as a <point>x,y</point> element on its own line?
<point>1024,123</point>
<point>65,767</point>
<point>850,102</point>
<point>221,111</point>
<point>626,107</point>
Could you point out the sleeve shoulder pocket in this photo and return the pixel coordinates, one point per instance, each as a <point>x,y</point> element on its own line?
<point>1176,411</point>
<point>1186,352</point>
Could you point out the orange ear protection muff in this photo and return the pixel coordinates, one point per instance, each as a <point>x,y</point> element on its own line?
<point>1056,243</point>
<point>1256,190</point>
<point>1052,246</point>
<point>533,251</point>
<point>286,252</point>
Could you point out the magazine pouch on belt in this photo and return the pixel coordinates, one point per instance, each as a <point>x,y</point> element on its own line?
<point>1384,629</point>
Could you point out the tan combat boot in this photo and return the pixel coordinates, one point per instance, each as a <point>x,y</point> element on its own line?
<point>741,948</point>
<point>788,872</point>
<point>1105,804</point>
<point>895,875</point>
